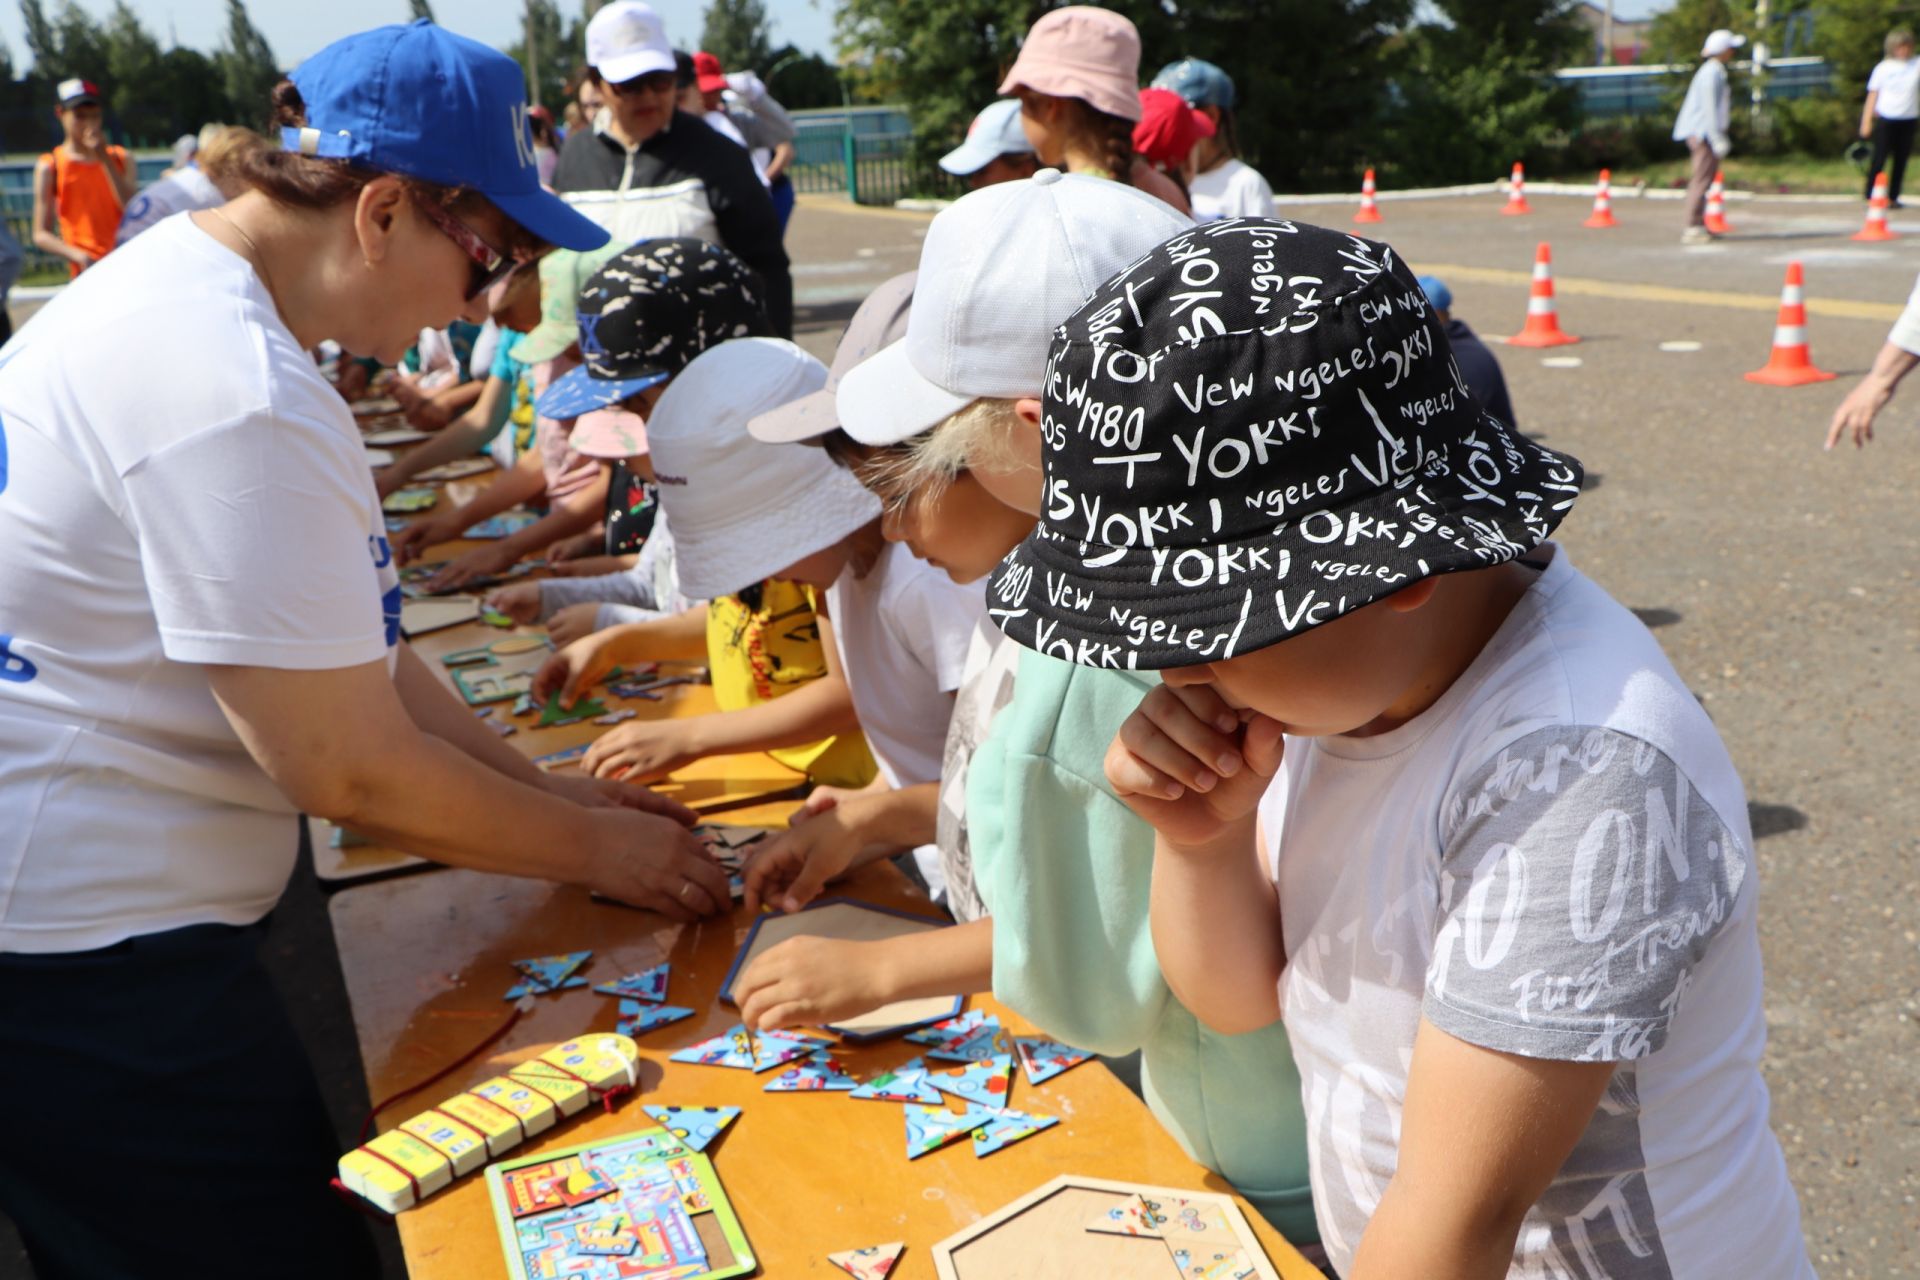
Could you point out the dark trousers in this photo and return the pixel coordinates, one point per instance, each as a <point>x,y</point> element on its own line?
<point>163,1120</point>
<point>1891,138</point>
<point>783,200</point>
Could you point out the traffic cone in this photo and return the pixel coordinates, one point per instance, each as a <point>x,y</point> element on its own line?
<point>1716,216</point>
<point>1517,192</point>
<point>1602,215</point>
<point>1369,210</point>
<point>1876,226</point>
<point>1543,324</point>
<point>1790,364</point>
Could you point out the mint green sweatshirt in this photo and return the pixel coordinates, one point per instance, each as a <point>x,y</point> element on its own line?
<point>1065,869</point>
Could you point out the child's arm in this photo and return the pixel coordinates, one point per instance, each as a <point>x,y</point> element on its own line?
<point>570,672</point>
<point>46,233</point>
<point>826,842</point>
<point>651,748</point>
<point>569,515</point>
<point>1187,763</point>
<point>1482,1135</point>
<point>805,982</point>
<point>445,404</point>
<point>461,439</point>
<point>508,490</point>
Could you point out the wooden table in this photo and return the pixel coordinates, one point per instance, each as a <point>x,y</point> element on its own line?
<point>427,960</point>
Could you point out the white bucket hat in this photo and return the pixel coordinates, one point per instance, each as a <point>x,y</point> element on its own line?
<point>1000,269</point>
<point>740,509</point>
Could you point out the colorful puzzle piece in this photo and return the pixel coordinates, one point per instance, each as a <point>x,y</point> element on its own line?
<point>820,1073</point>
<point>694,1126</point>
<point>617,716</point>
<point>989,1083</point>
<point>554,714</point>
<point>931,1128</point>
<point>1134,1216</point>
<point>1005,1128</point>
<point>905,1083</point>
<point>737,1049</point>
<point>409,500</point>
<point>1043,1059</point>
<point>648,984</point>
<point>637,1018</point>
<point>959,1027</point>
<point>875,1262</point>
<point>544,974</point>
<point>504,525</point>
<point>495,618</point>
<point>560,759</point>
<point>528,987</point>
<point>523,706</point>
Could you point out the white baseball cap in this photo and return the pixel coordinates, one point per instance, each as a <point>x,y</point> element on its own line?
<point>627,39</point>
<point>740,509</point>
<point>995,132</point>
<point>1719,42</point>
<point>1001,268</point>
<point>880,322</point>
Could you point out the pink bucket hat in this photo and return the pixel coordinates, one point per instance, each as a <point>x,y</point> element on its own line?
<point>609,433</point>
<point>1082,52</point>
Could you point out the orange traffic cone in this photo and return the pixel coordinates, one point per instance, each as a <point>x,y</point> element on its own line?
<point>1876,226</point>
<point>1790,364</point>
<point>1369,210</point>
<point>1716,215</point>
<point>1543,324</point>
<point>1602,215</point>
<point>1517,193</point>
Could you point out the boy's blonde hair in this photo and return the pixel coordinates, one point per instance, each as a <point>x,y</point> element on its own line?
<point>926,464</point>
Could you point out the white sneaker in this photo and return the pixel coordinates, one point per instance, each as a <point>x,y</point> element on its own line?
<point>1697,235</point>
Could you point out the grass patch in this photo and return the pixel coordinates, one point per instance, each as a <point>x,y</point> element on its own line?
<point>1783,175</point>
<point>43,273</point>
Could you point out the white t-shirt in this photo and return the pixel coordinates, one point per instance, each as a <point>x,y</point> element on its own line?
<point>1897,81</point>
<point>1552,861</point>
<point>180,487</point>
<point>181,191</point>
<point>903,633</point>
<point>986,687</point>
<point>1232,190</point>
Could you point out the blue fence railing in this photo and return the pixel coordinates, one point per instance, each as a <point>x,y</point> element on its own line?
<point>1650,90</point>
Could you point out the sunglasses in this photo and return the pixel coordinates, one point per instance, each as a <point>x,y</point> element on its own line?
<point>486,266</point>
<point>652,82</point>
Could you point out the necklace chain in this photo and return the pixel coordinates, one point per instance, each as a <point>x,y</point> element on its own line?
<point>259,258</point>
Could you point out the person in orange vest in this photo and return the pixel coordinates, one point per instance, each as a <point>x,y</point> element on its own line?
<point>84,181</point>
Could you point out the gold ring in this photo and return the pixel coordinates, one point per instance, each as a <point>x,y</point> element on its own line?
<point>683,890</point>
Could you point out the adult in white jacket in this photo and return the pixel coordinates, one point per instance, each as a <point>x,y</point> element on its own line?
<point>1702,125</point>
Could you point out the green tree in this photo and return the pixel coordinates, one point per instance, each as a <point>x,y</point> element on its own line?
<point>247,67</point>
<point>134,88</point>
<point>423,9</point>
<point>736,32</point>
<point>1476,90</point>
<point>799,80</point>
<point>42,45</point>
<point>82,42</point>
<point>560,46</point>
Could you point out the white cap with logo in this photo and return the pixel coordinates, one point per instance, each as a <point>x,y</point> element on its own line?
<point>626,40</point>
<point>1719,42</point>
<point>1000,269</point>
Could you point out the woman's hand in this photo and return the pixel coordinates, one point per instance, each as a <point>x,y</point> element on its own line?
<point>789,870</point>
<point>1191,765</point>
<point>642,749</point>
<point>521,602</point>
<point>608,793</point>
<point>575,622</point>
<point>482,562</point>
<point>810,982</point>
<point>653,862</point>
<point>410,542</point>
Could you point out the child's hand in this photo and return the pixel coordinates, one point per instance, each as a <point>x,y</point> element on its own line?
<point>575,622</point>
<point>575,546</point>
<point>576,668</point>
<point>481,562</point>
<point>819,801</point>
<point>1186,762</point>
<point>521,602</point>
<point>429,415</point>
<point>789,870</point>
<point>641,749</point>
<point>809,982</point>
<point>417,537</point>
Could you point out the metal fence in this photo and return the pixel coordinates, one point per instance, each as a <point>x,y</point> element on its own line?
<point>16,204</point>
<point>864,153</point>
<point>1606,92</point>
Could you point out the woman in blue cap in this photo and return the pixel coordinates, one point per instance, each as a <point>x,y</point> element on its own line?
<point>1224,185</point>
<point>199,626</point>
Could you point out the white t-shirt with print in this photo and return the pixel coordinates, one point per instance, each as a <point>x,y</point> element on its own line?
<point>986,687</point>
<point>1231,190</point>
<point>1897,81</point>
<point>181,191</point>
<point>1552,861</point>
<point>180,487</point>
<point>903,633</point>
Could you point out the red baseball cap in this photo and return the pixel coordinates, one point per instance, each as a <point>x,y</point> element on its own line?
<point>1168,127</point>
<point>708,72</point>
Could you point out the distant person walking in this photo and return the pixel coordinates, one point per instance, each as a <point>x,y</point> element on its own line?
<point>1704,119</point>
<point>83,183</point>
<point>1891,111</point>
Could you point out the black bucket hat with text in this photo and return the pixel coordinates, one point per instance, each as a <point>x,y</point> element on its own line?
<point>1253,430</point>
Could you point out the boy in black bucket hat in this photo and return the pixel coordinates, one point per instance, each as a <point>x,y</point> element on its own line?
<point>1420,786</point>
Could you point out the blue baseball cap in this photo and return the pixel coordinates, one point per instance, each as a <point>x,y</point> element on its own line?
<point>420,101</point>
<point>1437,292</point>
<point>1201,83</point>
<point>995,132</point>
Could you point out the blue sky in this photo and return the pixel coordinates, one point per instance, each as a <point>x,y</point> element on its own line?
<point>297,28</point>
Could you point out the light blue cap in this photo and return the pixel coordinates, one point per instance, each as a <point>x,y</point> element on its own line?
<point>995,132</point>
<point>1201,83</point>
<point>1437,292</point>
